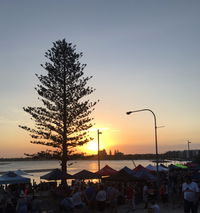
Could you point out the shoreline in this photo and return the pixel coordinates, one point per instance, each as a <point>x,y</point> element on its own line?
<point>32,170</point>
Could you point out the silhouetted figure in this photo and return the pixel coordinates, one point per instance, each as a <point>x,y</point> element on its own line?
<point>190,193</point>
<point>101,198</point>
<point>22,205</point>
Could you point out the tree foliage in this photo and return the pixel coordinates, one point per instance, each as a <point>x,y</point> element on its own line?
<point>63,119</point>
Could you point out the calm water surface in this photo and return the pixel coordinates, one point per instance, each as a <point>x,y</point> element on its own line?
<point>73,166</point>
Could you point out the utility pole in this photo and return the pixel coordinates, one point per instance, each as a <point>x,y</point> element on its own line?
<point>98,133</point>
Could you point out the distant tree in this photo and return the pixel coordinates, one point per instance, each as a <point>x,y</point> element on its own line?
<point>110,152</point>
<point>62,122</point>
<point>119,153</point>
<point>116,151</point>
<point>102,153</point>
<point>43,155</point>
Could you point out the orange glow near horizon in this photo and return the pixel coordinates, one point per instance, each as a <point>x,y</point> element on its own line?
<point>92,146</point>
<point>130,135</point>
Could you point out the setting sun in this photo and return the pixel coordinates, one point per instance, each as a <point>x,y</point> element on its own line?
<point>92,147</point>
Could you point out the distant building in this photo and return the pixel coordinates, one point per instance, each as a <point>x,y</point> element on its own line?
<point>185,154</point>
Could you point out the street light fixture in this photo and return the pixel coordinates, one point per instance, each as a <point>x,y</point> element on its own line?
<point>98,133</point>
<point>155,127</point>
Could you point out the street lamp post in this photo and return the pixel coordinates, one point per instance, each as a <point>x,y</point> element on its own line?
<point>98,133</point>
<point>155,128</point>
<point>188,142</point>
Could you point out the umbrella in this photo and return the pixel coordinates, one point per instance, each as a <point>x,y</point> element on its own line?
<point>56,174</point>
<point>12,178</point>
<point>106,171</point>
<point>85,174</point>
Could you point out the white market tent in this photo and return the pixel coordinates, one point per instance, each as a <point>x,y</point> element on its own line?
<point>13,178</point>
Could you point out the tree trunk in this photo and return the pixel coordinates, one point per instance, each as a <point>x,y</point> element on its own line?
<point>64,144</point>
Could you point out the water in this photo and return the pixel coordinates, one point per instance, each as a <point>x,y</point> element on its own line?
<point>74,166</point>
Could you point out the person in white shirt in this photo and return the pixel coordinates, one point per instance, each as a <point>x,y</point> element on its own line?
<point>191,195</point>
<point>145,195</point>
<point>101,197</point>
<point>112,195</point>
<point>77,198</point>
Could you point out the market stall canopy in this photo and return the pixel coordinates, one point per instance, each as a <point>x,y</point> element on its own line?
<point>191,165</point>
<point>162,169</point>
<point>106,171</point>
<point>150,167</point>
<point>139,167</point>
<point>181,166</point>
<point>145,175</point>
<point>85,174</point>
<point>21,172</point>
<point>164,166</point>
<point>56,174</point>
<point>123,175</point>
<point>127,170</point>
<point>13,178</point>
<point>172,166</point>
<point>153,168</point>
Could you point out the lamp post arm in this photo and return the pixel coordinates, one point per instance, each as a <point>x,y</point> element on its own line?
<point>140,110</point>
<point>155,127</point>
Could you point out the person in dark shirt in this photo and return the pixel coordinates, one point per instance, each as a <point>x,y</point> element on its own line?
<point>90,193</point>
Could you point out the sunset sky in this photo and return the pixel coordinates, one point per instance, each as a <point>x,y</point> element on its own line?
<point>142,54</point>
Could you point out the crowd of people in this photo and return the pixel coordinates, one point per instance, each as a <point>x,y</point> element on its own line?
<point>175,189</point>
<point>19,198</point>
